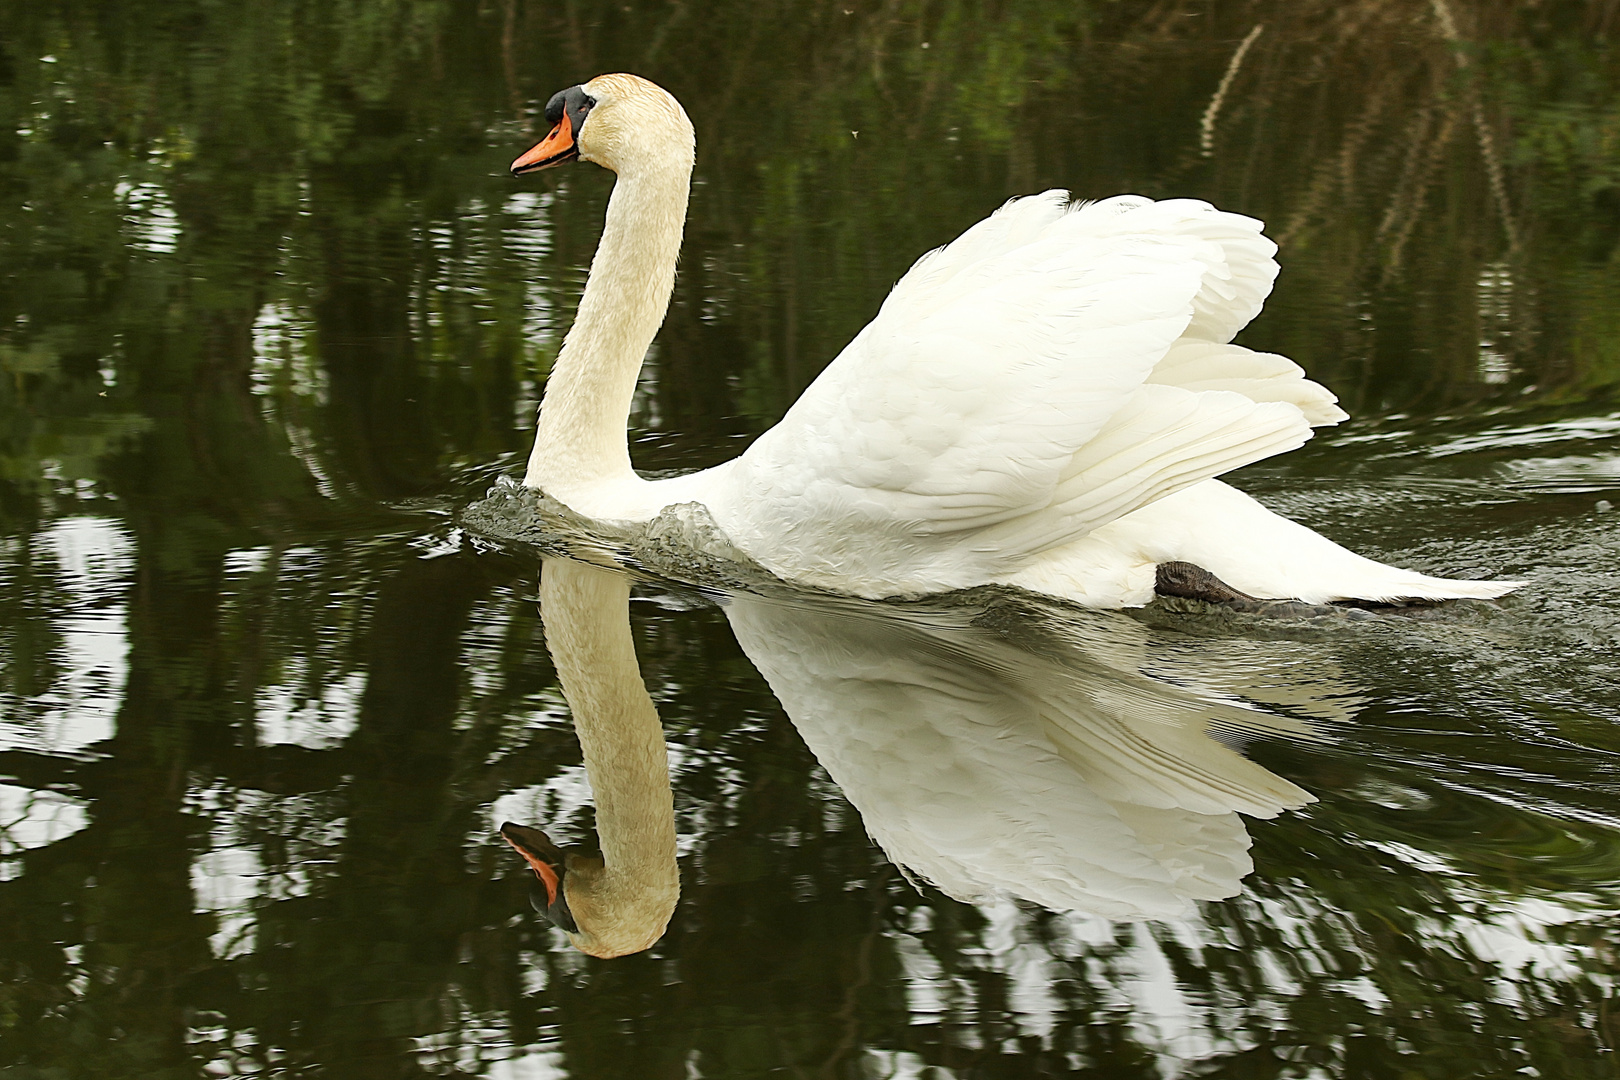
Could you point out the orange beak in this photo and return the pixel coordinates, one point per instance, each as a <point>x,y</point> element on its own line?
<point>557,147</point>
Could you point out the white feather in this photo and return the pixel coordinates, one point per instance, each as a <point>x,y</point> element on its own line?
<point>1193,364</point>
<point>1054,373</point>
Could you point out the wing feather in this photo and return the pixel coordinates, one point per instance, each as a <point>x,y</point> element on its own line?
<point>1162,440</point>
<point>1007,389</point>
<point>1236,282</point>
<point>1203,365</point>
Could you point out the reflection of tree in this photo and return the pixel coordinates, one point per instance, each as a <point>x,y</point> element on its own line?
<point>346,154</point>
<point>1432,165</point>
<point>177,174</point>
<point>1399,148</point>
<point>791,938</point>
<point>351,967</point>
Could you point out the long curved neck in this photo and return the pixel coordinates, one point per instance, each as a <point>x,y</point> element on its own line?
<point>580,440</point>
<point>624,905</point>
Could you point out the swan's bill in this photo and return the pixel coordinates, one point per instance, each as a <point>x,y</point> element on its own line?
<point>565,112</point>
<point>550,866</point>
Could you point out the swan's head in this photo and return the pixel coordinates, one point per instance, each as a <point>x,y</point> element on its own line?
<point>620,122</point>
<point>602,916</point>
<point>550,864</point>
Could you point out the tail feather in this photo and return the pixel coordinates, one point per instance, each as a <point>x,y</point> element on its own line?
<point>1219,528</point>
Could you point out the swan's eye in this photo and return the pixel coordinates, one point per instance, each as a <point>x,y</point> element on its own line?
<point>578,105</point>
<point>572,102</point>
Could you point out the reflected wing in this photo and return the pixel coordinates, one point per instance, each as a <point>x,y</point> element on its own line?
<point>988,770</point>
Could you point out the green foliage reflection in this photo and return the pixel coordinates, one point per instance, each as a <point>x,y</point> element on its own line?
<point>267,296</point>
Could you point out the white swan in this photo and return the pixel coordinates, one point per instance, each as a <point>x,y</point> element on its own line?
<point>622,902</point>
<point>1044,402</point>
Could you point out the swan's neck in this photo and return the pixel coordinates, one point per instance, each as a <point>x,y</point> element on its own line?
<point>623,905</point>
<point>580,442</point>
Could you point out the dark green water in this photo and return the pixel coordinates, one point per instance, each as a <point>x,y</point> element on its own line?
<point>272,315</point>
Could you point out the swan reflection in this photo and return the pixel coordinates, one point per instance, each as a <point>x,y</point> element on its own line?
<point>993,747</point>
<point>1065,761</point>
<point>620,902</point>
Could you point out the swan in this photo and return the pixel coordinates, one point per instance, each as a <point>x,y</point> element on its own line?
<point>1045,402</point>
<point>619,903</point>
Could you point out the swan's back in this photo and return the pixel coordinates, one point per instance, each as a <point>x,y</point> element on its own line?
<point>1052,369</point>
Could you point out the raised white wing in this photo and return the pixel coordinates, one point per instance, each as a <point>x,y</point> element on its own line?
<point>1072,780</point>
<point>1004,401</point>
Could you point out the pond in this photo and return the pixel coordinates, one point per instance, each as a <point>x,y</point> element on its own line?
<point>276,318</point>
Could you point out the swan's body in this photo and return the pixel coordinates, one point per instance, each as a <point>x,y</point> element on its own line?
<point>1044,402</point>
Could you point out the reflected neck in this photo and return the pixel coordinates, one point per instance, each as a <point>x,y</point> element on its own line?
<point>623,905</point>
<point>580,441</point>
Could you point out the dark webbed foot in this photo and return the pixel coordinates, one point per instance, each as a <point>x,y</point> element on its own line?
<point>1190,582</point>
<point>1195,583</point>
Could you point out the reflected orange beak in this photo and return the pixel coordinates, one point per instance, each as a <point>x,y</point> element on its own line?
<point>550,865</point>
<point>543,857</point>
<point>557,147</point>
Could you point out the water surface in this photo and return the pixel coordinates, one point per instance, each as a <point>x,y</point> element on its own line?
<point>273,316</point>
